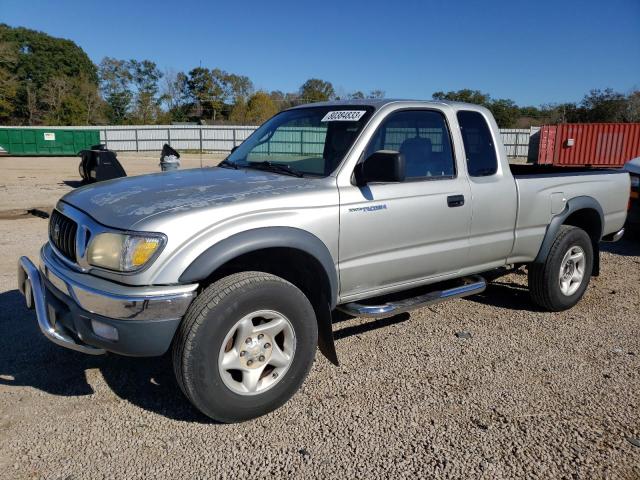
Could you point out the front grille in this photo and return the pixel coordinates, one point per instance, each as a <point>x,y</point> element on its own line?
<point>62,234</point>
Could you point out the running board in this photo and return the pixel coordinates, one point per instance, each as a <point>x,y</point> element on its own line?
<point>471,286</point>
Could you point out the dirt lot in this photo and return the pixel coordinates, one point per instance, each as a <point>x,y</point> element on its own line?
<point>529,395</point>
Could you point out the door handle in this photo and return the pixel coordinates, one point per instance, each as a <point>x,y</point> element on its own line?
<point>455,200</point>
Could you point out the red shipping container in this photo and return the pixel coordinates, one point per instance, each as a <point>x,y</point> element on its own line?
<point>589,144</point>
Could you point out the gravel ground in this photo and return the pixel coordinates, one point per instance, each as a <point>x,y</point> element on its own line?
<point>529,395</point>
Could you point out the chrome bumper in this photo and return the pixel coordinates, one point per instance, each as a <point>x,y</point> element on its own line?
<point>103,298</point>
<point>30,284</point>
<point>112,300</point>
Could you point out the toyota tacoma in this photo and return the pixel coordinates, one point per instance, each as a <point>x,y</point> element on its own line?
<point>369,207</point>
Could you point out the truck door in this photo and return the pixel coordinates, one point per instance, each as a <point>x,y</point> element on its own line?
<point>395,234</point>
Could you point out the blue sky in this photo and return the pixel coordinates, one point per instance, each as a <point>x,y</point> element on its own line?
<point>533,52</point>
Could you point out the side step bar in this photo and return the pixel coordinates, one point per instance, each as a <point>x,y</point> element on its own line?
<point>471,286</point>
<point>613,237</point>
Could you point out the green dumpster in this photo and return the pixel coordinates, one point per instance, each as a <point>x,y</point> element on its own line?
<point>44,141</point>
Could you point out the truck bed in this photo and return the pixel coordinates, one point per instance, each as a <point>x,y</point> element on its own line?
<point>543,191</point>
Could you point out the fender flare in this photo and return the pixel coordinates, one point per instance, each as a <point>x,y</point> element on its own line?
<point>257,239</point>
<point>573,205</point>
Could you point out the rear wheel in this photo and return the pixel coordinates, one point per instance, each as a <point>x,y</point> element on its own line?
<point>245,346</point>
<point>560,282</point>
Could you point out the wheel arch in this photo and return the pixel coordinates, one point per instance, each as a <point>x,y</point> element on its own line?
<point>290,253</point>
<point>583,212</point>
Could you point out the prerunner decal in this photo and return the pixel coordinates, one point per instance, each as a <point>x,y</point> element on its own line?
<point>370,208</point>
<point>343,116</point>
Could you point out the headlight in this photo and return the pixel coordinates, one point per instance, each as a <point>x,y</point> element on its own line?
<point>635,181</point>
<point>124,252</point>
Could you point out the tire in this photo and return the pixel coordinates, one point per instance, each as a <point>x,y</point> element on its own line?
<point>206,338</point>
<point>547,288</point>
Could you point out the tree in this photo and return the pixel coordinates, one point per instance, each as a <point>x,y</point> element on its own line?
<point>31,104</point>
<point>91,101</point>
<point>465,95</point>
<point>144,77</point>
<point>8,95</point>
<point>260,108</point>
<point>376,94</point>
<point>316,90</point>
<point>214,92</point>
<point>238,113</point>
<point>560,113</point>
<point>175,95</point>
<point>29,61</point>
<point>256,111</point>
<point>69,101</point>
<point>55,93</point>
<point>604,106</point>
<point>278,97</point>
<point>206,92</point>
<point>530,111</point>
<point>632,113</point>
<point>115,79</point>
<point>237,86</point>
<point>43,56</point>
<point>284,100</point>
<point>505,111</point>
<point>358,95</point>
<point>8,82</point>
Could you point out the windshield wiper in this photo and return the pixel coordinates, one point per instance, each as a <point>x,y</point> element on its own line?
<point>274,167</point>
<point>227,164</point>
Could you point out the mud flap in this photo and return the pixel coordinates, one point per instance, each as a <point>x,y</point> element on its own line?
<point>325,334</point>
<point>595,270</point>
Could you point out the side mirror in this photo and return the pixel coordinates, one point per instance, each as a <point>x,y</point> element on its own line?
<point>233,149</point>
<point>381,166</point>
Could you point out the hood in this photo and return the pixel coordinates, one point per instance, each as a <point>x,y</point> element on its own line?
<point>125,201</point>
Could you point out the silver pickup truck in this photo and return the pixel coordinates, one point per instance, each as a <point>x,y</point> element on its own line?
<point>369,207</point>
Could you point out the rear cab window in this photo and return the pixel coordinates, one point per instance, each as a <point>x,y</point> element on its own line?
<point>479,147</point>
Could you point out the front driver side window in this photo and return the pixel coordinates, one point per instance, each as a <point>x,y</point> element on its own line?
<point>423,137</point>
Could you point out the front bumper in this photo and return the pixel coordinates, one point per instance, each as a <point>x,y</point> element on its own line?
<point>91,315</point>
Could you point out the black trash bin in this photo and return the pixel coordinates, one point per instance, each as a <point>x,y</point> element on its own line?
<point>98,164</point>
<point>169,158</point>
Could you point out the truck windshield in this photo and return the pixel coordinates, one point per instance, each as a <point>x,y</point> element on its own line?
<point>306,141</point>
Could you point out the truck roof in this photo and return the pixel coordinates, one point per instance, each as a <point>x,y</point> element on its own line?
<point>379,103</point>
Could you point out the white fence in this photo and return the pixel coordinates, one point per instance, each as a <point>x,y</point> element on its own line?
<point>181,137</point>
<point>516,140</point>
<point>222,138</point>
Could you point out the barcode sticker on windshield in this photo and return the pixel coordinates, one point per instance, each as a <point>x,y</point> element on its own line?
<point>343,116</point>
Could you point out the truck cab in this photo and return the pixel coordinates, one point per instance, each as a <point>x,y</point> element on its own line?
<point>455,177</point>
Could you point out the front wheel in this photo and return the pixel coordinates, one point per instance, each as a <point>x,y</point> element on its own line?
<point>560,282</point>
<point>245,346</point>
